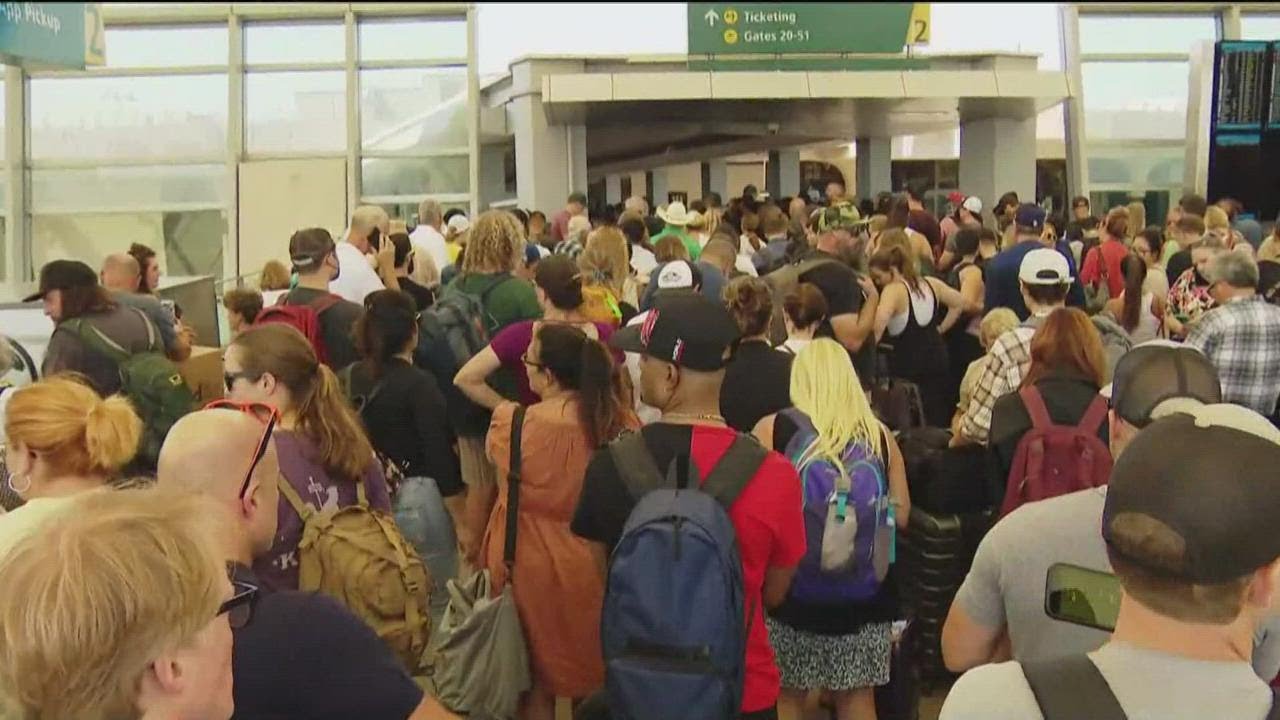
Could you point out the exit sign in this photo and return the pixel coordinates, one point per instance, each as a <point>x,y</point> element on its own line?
<point>771,28</point>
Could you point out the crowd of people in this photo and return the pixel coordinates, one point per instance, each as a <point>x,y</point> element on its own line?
<point>607,413</point>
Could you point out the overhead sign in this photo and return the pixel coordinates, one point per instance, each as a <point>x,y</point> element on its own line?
<point>784,27</point>
<point>67,35</point>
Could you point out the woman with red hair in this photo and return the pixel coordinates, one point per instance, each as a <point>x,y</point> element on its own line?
<point>1068,369</point>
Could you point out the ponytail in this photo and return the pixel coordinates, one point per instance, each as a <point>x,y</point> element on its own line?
<point>325,416</point>
<point>1135,274</point>
<point>72,427</point>
<point>584,365</point>
<point>386,327</point>
<point>112,431</point>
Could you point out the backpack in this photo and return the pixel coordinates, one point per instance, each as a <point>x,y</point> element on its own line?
<point>150,381</point>
<point>666,656</point>
<point>848,521</point>
<point>450,333</point>
<point>358,556</point>
<point>1072,687</point>
<point>783,281</point>
<point>600,305</point>
<point>360,400</point>
<point>1053,460</point>
<point>303,318</point>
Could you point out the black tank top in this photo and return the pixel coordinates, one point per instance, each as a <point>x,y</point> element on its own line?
<point>919,350</point>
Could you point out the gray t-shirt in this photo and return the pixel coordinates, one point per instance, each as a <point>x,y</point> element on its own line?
<point>1148,684</point>
<point>1006,584</point>
<point>160,316</point>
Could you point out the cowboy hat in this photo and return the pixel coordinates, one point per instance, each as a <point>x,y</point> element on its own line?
<point>675,214</point>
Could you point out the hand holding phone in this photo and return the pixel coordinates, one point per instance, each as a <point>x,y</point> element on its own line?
<point>1082,596</point>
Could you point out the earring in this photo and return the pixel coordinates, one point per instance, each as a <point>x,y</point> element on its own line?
<point>26,479</point>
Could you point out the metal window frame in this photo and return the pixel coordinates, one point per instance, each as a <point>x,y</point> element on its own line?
<point>18,163</point>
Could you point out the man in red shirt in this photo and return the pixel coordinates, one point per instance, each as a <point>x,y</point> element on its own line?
<point>1111,251</point>
<point>684,346</point>
<point>574,206</point>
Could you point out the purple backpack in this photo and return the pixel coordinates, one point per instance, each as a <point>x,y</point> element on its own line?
<point>848,522</point>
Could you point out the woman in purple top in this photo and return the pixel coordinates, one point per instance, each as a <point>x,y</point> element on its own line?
<point>559,288</point>
<point>322,446</point>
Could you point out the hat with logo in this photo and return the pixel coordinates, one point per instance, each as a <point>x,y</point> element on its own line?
<point>973,204</point>
<point>686,329</point>
<point>1043,266</point>
<point>1158,371</point>
<point>1205,477</point>
<point>679,275</point>
<point>63,275</point>
<point>1029,216</point>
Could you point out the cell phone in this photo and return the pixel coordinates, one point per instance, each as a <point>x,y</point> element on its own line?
<point>375,239</point>
<point>1082,596</point>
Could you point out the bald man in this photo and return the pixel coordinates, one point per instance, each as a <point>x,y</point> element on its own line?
<point>120,275</point>
<point>365,266</point>
<point>302,655</point>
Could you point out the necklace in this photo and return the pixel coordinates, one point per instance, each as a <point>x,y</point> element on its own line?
<point>707,417</point>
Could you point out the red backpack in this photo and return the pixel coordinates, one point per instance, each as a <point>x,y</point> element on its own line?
<point>303,318</point>
<point>1054,460</point>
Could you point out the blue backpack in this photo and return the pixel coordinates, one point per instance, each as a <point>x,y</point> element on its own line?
<point>673,626</point>
<point>848,522</point>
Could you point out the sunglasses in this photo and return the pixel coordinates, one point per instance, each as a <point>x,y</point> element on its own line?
<point>531,362</point>
<point>267,415</point>
<point>239,609</point>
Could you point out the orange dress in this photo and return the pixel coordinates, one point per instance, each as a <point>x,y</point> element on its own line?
<point>558,588</point>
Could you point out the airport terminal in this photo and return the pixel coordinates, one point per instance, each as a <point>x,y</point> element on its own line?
<point>639,360</point>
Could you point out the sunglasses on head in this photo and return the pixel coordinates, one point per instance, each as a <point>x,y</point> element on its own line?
<point>267,415</point>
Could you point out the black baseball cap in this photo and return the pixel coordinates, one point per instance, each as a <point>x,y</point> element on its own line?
<point>309,247</point>
<point>1208,475</point>
<point>63,275</point>
<point>1030,216</point>
<point>1152,373</point>
<point>686,329</point>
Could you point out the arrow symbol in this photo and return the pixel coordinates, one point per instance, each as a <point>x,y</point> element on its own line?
<point>712,17</point>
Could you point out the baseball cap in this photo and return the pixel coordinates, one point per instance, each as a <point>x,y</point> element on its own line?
<point>840,215</point>
<point>973,204</point>
<point>687,329</point>
<point>459,223</point>
<point>63,275</point>
<point>1043,266</point>
<point>679,275</point>
<point>1029,216</point>
<point>1161,370</point>
<point>308,248</point>
<point>1207,474</point>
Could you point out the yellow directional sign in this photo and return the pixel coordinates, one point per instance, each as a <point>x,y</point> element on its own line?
<point>730,36</point>
<point>731,16</point>
<point>918,28</point>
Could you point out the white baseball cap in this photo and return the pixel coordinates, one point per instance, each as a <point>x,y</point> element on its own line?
<point>675,275</point>
<point>973,204</point>
<point>1043,266</point>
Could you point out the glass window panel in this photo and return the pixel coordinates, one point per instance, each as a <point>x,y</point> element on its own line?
<point>128,188</point>
<point>413,111</point>
<point>295,111</point>
<point>425,39</point>
<point>98,118</point>
<point>1146,33</point>
<point>1125,100</point>
<point>166,46</point>
<point>383,177</point>
<point>1260,27</point>
<point>294,42</point>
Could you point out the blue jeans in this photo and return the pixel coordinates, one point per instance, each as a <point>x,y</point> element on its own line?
<point>425,522</point>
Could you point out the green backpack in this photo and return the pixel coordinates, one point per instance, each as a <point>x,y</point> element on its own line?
<point>149,380</point>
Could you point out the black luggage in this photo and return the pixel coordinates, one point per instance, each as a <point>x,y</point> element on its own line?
<point>944,480</point>
<point>897,403</point>
<point>900,699</point>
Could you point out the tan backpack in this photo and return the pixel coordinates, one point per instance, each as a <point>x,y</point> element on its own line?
<point>358,556</point>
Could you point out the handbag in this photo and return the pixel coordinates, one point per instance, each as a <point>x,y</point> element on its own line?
<point>481,664</point>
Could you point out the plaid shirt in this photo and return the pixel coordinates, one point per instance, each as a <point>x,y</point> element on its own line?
<point>1008,361</point>
<point>1242,340</point>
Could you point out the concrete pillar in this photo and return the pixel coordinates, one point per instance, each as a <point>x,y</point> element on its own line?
<point>613,189</point>
<point>551,160</point>
<point>492,175</point>
<point>656,183</point>
<point>715,178</point>
<point>998,155</point>
<point>782,174</point>
<point>874,163</point>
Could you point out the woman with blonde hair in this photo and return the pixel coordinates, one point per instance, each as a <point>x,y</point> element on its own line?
<point>325,456</point>
<point>275,276</point>
<point>838,645</point>
<point>610,292</point>
<point>144,628</point>
<point>62,439</point>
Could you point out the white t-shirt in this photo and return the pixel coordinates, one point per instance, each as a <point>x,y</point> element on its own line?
<point>15,525</point>
<point>356,277</point>
<point>795,345</point>
<point>643,261</point>
<point>1149,686</point>
<point>426,239</point>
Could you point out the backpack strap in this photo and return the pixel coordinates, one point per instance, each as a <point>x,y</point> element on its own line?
<point>513,490</point>
<point>635,464</point>
<point>295,501</point>
<point>1093,417</point>
<point>1072,687</point>
<point>739,464</point>
<point>97,340</point>
<point>324,302</point>
<point>1033,401</point>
